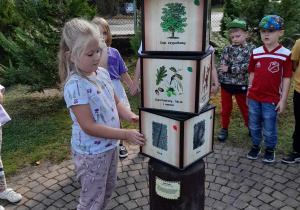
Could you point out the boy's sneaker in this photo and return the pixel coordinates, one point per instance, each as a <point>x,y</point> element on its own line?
<point>269,156</point>
<point>123,151</point>
<point>223,134</point>
<point>293,157</point>
<point>254,152</point>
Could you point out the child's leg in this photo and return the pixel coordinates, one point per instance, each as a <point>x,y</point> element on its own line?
<point>3,185</point>
<point>93,173</point>
<point>270,115</point>
<point>122,149</point>
<point>241,100</point>
<point>255,121</point>
<point>296,135</point>
<point>112,177</point>
<point>226,101</point>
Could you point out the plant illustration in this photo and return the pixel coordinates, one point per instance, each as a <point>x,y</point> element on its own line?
<point>172,85</point>
<point>160,74</point>
<point>172,19</point>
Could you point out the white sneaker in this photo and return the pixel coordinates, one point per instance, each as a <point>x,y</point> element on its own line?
<point>10,195</point>
<point>2,208</point>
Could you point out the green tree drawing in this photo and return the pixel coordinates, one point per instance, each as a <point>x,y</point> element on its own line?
<point>172,19</point>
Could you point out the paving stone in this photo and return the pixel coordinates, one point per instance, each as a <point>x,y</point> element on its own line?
<point>112,204</point>
<point>39,206</point>
<point>240,204</point>
<point>292,202</point>
<point>59,203</point>
<point>72,205</point>
<point>130,204</point>
<point>279,179</point>
<point>68,198</point>
<point>228,199</point>
<point>209,201</point>
<point>142,201</point>
<point>215,187</point>
<point>135,194</point>
<point>121,190</point>
<point>277,204</point>
<point>216,195</point>
<point>265,197</point>
<point>122,198</point>
<point>267,190</point>
<point>290,192</point>
<point>279,195</point>
<point>245,197</point>
<point>51,174</point>
<point>256,202</point>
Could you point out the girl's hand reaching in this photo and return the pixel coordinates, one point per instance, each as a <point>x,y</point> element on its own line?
<point>134,136</point>
<point>102,44</point>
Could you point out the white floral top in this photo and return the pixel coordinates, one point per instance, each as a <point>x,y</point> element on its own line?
<point>80,91</point>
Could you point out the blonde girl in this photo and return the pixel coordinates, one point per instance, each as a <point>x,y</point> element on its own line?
<point>95,111</point>
<point>113,62</point>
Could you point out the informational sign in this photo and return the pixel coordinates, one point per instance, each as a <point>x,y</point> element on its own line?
<point>167,189</point>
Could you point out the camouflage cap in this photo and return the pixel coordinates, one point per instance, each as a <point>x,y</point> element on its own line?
<point>238,23</point>
<point>271,22</point>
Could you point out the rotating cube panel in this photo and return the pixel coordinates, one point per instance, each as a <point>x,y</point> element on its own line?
<point>176,138</point>
<point>176,27</point>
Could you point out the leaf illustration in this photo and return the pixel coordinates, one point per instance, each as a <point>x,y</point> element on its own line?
<point>173,69</point>
<point>161,73</point>
<point>179,76</point>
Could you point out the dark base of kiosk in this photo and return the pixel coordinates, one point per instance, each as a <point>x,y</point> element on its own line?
<point>191,182</point>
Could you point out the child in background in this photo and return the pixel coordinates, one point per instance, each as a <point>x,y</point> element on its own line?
<point>95,110</point>
<point>113,62</point>
<point>233,74</point>
<point>135,89</point>
<point>5,193</point>
<point>294,156</point>
<point>270,70</point>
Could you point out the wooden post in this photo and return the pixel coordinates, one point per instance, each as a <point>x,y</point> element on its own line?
<point>174,189</point>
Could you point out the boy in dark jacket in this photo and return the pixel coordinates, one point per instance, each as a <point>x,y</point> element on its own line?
<point>233,74</point>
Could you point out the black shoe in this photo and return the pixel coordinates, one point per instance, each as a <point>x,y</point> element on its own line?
<point>123,151</point>
<point>223,134</point>
<point>254,152</point>
<point>269,156</point>
<point>293,157</point>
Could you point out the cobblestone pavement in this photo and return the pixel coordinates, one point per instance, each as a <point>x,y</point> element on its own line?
<point>232,182</point>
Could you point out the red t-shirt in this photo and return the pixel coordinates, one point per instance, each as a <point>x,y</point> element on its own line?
<point>269,69</point>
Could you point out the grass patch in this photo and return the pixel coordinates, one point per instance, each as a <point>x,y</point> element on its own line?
<point>41,126</point>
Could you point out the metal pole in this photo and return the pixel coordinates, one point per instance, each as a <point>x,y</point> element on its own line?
<point>135,16</point>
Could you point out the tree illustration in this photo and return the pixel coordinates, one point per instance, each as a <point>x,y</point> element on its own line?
<point>172,19</point>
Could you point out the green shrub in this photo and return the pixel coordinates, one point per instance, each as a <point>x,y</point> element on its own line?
<point>254,10</point>
<point>33,45</point>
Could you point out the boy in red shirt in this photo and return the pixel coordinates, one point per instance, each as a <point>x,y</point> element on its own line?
<point>270,70</point>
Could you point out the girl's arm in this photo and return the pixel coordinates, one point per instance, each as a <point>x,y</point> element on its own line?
<point>284,97</point>
<point>126,79</point>
<point>214,75</point>
<point>125,113</point>
<point>86,121</point>
<point>103,54</point>
<point>1,98</point>
<point>134,89</point>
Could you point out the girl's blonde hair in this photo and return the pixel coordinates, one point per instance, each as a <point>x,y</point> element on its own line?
<point>105,26</point>
<point>76,35</point>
